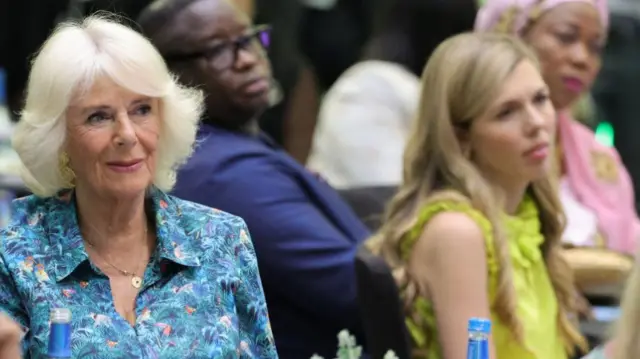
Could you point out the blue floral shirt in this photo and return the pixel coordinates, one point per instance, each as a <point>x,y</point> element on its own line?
<point>201,297</point>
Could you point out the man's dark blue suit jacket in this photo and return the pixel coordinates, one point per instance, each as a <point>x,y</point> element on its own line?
<point>304,234</point>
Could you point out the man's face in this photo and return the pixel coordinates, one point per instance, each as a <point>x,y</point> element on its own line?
<point>231,63</point>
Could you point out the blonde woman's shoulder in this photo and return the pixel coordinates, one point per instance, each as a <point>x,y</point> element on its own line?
<point>451,223</point>
<point>445,222</point>
<point>450,231</point>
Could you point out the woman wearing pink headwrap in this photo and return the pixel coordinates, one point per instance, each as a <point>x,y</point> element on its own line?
<point>595,188</point>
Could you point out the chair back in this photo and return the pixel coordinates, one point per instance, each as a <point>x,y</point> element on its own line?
<point>380,307</point>
<point>369,203</point>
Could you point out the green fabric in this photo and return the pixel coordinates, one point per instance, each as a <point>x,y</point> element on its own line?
<point>537,307</point>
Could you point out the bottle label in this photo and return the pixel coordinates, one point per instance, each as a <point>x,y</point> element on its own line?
<point>478,349</point>
<point>60,340</point>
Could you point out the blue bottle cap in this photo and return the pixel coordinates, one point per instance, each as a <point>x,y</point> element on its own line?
<point>481,325</point>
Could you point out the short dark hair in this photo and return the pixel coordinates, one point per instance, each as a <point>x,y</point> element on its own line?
<point>406,32</point>
<point>158,16</point>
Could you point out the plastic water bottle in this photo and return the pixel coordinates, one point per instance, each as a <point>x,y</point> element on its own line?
<point>60,334</point>
<point>479,330</point>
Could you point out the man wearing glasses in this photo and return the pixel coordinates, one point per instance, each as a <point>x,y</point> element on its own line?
<point>304,234</point>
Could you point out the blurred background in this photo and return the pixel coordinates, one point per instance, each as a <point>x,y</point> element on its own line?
<point>313,42</point>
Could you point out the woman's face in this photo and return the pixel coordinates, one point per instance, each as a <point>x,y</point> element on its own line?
<point>510,142</point>
<point>568,40</point>
<point>112,135</point>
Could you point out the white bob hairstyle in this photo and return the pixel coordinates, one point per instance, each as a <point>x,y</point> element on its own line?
<point>67,65</point>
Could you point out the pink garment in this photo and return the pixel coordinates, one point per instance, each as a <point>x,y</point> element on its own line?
<point>610,197</point>
<point>511,16</point>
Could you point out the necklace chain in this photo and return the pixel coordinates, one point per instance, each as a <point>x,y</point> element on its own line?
<point>136,281</point>
<point>123,271</point>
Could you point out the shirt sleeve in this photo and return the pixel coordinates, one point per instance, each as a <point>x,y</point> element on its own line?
<point>255,329</point>
<point>11,304</point>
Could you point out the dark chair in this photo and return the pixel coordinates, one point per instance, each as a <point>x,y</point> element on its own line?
<point>380,308</point>
<point>369,203</point>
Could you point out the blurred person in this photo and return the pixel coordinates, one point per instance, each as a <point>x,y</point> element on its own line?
<point>144,274</point>
<point>625,341</point>
<point>366,117</point>
<point>346,27</point>
<point>305,235</point>
<point>475,228</point>
<point>595,188</point>
<point>313,42</point>
<point>615,89</point>
<point>291,121</point>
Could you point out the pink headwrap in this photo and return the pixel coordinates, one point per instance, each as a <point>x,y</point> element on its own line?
<point>511,16</point>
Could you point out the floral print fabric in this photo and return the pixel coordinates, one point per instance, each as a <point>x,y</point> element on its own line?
<point>201,298</point>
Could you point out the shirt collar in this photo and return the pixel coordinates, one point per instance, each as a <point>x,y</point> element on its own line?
<point>173,241</point>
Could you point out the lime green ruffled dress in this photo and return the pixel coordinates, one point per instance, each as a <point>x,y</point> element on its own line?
<point>537,307</point>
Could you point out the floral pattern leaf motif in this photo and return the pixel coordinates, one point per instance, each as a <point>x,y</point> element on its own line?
<point>202,296</point>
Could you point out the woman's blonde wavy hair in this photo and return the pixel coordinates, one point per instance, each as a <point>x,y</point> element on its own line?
<point>459,83</point>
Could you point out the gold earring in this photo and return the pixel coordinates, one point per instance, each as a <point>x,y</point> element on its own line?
<point>67,174</point>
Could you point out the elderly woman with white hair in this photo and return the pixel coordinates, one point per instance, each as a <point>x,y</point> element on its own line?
<point>144,274</point>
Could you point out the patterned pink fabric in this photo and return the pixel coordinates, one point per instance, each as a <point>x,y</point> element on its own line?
<point>602,183</point>
<point>511,16</point>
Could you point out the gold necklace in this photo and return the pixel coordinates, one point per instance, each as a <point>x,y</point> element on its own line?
<point>136,281</point>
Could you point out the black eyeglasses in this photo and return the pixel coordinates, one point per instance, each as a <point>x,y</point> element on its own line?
<point>224,55</point>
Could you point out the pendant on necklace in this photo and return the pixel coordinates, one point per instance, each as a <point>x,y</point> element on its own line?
<point>136,282</point>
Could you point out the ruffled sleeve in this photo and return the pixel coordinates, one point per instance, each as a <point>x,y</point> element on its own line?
<point>434,208</point>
